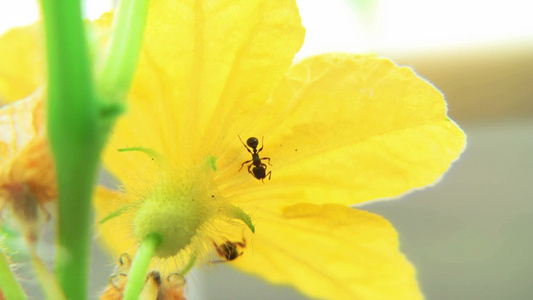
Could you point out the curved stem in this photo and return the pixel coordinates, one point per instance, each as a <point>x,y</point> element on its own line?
<point>124,48</point>
<point>189,266</point>
<point>140,265</point>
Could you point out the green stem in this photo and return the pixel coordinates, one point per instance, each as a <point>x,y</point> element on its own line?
<point>8,283</point>
<point>72,126</point>
<point>124,48</point>
<point>140,265</point>
<point>79,123</point>
<point>75,120</point>
<point>189,266</point>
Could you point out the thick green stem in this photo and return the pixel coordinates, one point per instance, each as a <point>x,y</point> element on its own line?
<point>72,125</point>
<point>78,124</point>
<point>124,48</point>
<point>8,283</point>
<point>140,265</point>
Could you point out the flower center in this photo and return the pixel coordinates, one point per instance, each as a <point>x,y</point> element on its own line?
<point>177,207</point>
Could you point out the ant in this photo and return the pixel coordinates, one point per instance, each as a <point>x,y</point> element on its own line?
<point>259,168</point>
<point>229,250</point>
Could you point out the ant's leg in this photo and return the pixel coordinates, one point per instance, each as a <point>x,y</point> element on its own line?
<point>244,164</point>
<point>262,144</point>
<point>265,167</point>
<point>245,145</point>
<point>250,171</point>
<point>269,175</point>
<point>267,158</point>
<point>219,251</point>
<point>241,244</point>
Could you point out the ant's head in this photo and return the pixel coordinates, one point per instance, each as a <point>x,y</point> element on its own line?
<point>252,142</point>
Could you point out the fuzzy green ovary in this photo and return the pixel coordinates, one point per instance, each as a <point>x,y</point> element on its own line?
<point>175,215</point>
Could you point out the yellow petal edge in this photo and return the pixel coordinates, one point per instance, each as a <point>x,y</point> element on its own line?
<point>330,252</point>
<point>347,129</point>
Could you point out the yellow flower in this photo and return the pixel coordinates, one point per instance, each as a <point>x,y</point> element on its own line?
<point>27,173</point>
<point>338,129</point>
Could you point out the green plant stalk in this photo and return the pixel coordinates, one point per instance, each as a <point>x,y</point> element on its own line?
<point>8,283</point>
<point>137,275</point>
<point>79,123</point>
<point>75,142</point>
<point>116,74</point>
<point>189,266</point>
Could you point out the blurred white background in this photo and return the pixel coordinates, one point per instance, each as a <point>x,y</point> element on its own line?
<point>470,236</point>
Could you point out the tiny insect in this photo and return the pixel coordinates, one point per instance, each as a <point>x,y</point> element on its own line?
<point>257,168</point>
<point>229,250</point>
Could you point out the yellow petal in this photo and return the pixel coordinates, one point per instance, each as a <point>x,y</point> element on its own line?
<point>202,63</point>
<point>347,129</point>
<point>114,222</point>
<point>21,62</point>
<point>330,252</point>
<point>18,125</point>
<point>26,162</point>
